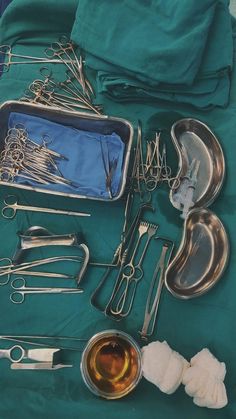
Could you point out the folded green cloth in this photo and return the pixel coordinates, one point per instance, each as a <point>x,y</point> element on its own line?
<point>161,49</point>
<point>122,89</point>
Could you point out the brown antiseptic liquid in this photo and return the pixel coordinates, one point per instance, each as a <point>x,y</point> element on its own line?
<point>112,364</point>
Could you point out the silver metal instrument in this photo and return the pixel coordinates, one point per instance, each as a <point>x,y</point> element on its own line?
<point>18,295</point>
<point>38,366</point>
<point>6,51</point>
<point>43,356</point>
<point>24,158</point>
<point>11,268</point>
<point>135,275</point>
<point>119,259</point>
<point>11,207</point>
<point>45,341</point>
<point>152,170</point>
<point>73,93</point>
<point>154,293</point>
<point>16,353</point>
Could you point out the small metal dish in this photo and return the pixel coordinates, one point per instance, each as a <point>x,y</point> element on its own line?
<point>111,364</point>
<point>194,140</point>
<point>201,258</point>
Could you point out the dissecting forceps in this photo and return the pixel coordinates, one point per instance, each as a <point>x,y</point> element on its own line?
<point>153,298</point>
<point>18,295</point>
<point>11,207</point>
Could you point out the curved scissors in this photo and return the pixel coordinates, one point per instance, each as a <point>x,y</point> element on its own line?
<point>18,296</point>
<point>11,207</point>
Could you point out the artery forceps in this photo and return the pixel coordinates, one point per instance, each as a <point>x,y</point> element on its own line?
<point>11,207</point>
<point>7,51</point>
<point>18,295</point>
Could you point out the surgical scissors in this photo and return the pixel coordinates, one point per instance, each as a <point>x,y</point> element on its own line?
<point>18,296</point>
<point>12,206</point>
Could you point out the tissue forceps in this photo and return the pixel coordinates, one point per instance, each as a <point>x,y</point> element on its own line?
<point>10,209</point>
<point>18,296</point>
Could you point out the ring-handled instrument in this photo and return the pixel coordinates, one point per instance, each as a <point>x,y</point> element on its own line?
<point>12,206</point>
<point>20,290</point>
<point>119,260</point>
<point>132,281</point>
<point>43,356</point>
<point>12,268</point>
<point>126,271</point>
<point>154,293</point>
<point>17,353</point>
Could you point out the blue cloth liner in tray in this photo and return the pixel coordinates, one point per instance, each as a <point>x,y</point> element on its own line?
<point>87,153</point>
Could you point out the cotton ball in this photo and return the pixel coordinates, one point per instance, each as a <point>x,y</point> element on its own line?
<point>155,358</point>
<point>194,379</point>
<point>204,380</point>
<point>208,361</point>
<point>162,366</point>
<point>173,374</point>
<point>216,400</point>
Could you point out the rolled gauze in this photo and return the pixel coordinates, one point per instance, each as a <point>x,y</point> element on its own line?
<point>204,380</point>
<point>162,366</point>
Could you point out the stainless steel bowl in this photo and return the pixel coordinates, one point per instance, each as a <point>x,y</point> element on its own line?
<point>201,258</point>
<point>111,364</point>
<point>194,140</point>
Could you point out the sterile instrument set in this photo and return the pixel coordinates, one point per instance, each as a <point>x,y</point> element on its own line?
<point>56,140</point>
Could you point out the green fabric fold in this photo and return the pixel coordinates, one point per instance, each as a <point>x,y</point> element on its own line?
<point>158,49</point>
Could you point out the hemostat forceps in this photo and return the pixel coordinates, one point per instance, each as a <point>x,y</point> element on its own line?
<point>6,50</point>
<point>18,296</point>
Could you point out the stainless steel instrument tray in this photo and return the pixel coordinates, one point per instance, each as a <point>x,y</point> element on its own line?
<point>194,140</point>
<point>202,255</point>
<point>84,121</point>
